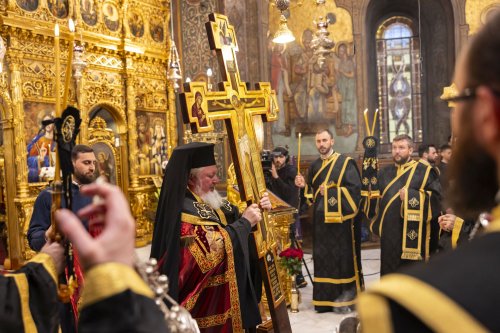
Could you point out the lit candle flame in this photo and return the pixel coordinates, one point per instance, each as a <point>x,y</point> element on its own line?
<point>71,25</point>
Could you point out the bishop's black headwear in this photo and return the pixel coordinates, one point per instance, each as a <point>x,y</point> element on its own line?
<point>166,234</point>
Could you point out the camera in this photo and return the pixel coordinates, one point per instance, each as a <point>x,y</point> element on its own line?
<point>266,159</point>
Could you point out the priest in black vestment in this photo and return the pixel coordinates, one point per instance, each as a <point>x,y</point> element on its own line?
<point>333,184</point>
<point>457,291</point>
<point>28,296</point>
<point>407,210</point>
<point>202,243</point>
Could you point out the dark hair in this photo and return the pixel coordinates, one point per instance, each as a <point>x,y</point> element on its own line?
<point>325,130</point>
<point>424,149</point>
<point>281,151</point>
<point>472,170</point>
<point>445,147</point>
<point>405,137</point>
<point>80,149</point>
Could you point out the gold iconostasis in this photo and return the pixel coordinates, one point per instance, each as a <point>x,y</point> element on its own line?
<point>118,82</point>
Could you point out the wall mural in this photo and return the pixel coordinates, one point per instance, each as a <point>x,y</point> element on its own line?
<point>313,96</point>
<point>41,146</point>
<point>88,10</point>
<point>477,13</point>
<point>106,164</point>
<point>135,24</point>
<point>156,29</point>
<point>151,143</point>
<point>111,16</point>
<point>59,8</point>
<point>29,5</point>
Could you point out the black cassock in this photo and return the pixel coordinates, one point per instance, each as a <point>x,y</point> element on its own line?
<point>337,230</point>
<point>115,299</point>
<point>455,292</point>
<point>408,229</point>
<point>28,298</point>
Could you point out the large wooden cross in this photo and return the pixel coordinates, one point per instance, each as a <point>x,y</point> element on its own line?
<point>237,105</point>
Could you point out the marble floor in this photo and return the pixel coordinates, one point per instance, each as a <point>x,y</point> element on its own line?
<point>307,320</point>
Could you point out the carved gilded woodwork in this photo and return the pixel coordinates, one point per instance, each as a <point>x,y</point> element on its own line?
<point>143,203</point>
<point>24,211</point>
<point>123,70</point>
<point>132,125</point>
<point>8,182</point>
<point>102,140</point>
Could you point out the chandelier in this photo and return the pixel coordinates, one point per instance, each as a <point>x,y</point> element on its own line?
<point>283,35</point>
<point>321,44</point>
<point>174,74</point>
<point>174,66</point>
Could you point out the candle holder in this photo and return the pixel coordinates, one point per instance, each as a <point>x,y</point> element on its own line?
<point>79,61</point>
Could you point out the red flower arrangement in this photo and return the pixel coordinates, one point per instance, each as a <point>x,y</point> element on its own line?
<point>291,259</point>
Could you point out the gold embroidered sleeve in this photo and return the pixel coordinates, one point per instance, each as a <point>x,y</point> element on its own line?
<point>110,279</point>
<point>48,263</point>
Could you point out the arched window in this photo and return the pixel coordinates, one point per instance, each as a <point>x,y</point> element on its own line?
<point>399,73</point>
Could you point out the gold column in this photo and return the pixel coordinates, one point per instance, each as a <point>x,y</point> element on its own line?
<point>13,227</point>
<point>171,119</point>
<point>138,194</point>
<point>14,60</point>
<point>81,96</point>
<point>132,125</point>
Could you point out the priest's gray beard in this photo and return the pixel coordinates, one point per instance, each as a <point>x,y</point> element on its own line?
<point>211,198</point>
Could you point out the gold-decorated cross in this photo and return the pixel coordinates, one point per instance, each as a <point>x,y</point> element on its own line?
<point>238,106</point>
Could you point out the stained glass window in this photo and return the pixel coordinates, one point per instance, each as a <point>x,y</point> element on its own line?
<point>399,73</point>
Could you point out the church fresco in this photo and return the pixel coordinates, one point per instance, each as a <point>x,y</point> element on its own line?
<point>477,13</point>
<point>88,10</point>
<point>312,95</point>
<point>40,145</point>
<point>135,24</point>
<point>110,15</point>
<point>106,164</point>
<point>156,29</point>
<point>489,12</point>
<point>59,8</point>
<point>151,143</point>
<point>29,5</point>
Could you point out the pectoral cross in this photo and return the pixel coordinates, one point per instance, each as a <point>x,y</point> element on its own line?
<point>237,105</point>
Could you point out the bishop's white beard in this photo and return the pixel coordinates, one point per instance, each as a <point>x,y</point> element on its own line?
<point>212,198</point>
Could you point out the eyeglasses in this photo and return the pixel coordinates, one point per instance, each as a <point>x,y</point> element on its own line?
<point>468,94</point>
<point>465,95</point>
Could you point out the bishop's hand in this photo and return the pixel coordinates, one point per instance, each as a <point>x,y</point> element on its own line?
<point>265,202</point>
<point>253,214</point>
